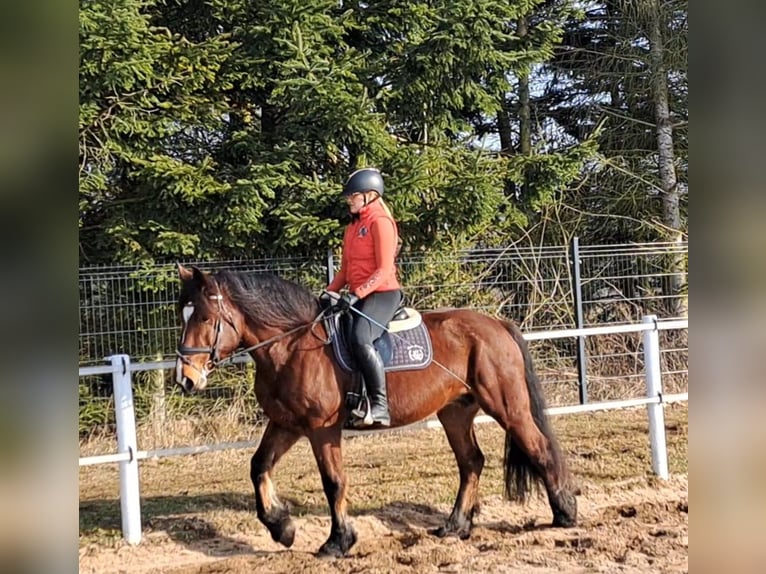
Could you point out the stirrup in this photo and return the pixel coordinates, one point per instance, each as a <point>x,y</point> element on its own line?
<point>362,408</point>
<point>362,418</point>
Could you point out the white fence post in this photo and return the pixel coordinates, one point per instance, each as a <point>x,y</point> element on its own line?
<point>130,498</point>
<point>654,390</point>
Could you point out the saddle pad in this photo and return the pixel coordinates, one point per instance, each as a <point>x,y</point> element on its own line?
<point>401,351</point>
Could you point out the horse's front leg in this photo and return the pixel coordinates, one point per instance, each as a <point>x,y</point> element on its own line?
<point>326,444</point>
<point>272,512</point>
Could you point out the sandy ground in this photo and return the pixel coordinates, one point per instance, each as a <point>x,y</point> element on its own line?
<point>633,524</point>
<point>634,528</point>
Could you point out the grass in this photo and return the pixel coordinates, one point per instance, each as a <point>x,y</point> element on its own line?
<point>196,497</point>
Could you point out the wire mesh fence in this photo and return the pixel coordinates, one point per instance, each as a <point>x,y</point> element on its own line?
<point>622,283</point>
<point>131,310</point>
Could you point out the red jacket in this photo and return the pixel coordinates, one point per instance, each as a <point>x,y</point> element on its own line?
<point>369,249</point>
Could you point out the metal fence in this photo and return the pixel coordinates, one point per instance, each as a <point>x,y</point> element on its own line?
<point>131,310</point>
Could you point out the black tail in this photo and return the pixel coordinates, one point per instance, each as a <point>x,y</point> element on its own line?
<point>521,475</point>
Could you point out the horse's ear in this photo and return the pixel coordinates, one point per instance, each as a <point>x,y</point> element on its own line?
<point>199,276</point>
<point>191,273</point>
<point>184,273</point>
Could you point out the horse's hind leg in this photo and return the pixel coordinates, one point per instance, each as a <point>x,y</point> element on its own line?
<point>540,454</point>
<point>272,512</point>
<point>326,444</point>
<point>457,420</point>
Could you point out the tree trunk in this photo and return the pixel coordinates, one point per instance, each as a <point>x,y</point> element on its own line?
<point>504,129</point>
<point>665,154</point>
<point>505,132</point>
<point>525,115</point>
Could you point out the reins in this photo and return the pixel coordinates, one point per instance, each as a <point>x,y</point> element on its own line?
<point>276,338</point>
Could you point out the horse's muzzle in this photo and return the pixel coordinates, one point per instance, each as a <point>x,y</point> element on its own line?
<point>190,377</point>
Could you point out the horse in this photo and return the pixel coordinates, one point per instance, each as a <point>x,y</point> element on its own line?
<point>480,362</point>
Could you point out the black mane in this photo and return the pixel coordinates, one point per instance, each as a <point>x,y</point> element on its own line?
<point>267,299</point>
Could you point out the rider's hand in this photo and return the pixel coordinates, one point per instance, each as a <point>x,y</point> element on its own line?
<point>347,301</point>
<point>328,296</point>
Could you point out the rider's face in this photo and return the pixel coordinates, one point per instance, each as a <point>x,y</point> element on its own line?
<point>355,202</point>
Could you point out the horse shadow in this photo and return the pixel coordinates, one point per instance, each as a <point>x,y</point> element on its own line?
<point>181,518</point>
<point>415,519</point>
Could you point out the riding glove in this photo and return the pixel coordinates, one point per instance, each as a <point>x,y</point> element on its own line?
<point>328,296</point>
<point>347,301</point>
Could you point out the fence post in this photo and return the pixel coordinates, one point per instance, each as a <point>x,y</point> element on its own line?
<point>582,376</point>
<point>654,390</point>
<point>130,498</point>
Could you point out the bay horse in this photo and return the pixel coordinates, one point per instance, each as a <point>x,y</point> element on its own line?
<point>479,362</point>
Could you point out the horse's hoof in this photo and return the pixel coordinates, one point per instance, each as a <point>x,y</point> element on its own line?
<point>444,531</point>
<point>330,550</point>
<point>564,519</point>
<point>286,534</point>
<point>337,546</point>
<point>561,520</point>
<point>565,511</point>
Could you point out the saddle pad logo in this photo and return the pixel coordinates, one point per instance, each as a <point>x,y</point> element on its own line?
<point>416,353</point>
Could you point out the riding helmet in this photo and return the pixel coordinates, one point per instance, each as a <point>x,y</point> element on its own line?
<point>362,180</point>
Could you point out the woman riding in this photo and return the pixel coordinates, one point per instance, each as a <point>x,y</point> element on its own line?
<point>368,269</point>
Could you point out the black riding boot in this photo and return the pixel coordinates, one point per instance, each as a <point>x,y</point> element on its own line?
<point>374,374</point>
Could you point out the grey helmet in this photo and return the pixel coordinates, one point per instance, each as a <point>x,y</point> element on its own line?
<point>362,180</point>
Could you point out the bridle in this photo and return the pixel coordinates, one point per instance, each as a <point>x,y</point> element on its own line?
<point>183,351</point>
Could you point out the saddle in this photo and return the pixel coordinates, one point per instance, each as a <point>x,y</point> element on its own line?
<point>405,345</point>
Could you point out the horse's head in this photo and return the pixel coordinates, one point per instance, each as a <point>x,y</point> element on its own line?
<point>210,331</point>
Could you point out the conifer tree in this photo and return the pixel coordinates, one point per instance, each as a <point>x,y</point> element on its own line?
<point>225,128</point>
<point>146,124</point>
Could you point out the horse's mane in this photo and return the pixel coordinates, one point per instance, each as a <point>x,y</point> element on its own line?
<point>267,299</point>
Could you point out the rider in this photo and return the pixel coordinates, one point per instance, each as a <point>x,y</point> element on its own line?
<point>370,244</point>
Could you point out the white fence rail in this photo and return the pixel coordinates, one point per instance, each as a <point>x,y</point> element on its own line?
<point>128,455</point>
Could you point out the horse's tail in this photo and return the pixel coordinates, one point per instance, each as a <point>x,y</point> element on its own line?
<point>521,474</point>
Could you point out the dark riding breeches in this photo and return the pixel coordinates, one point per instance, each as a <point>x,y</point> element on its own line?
<point>379,306</point>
